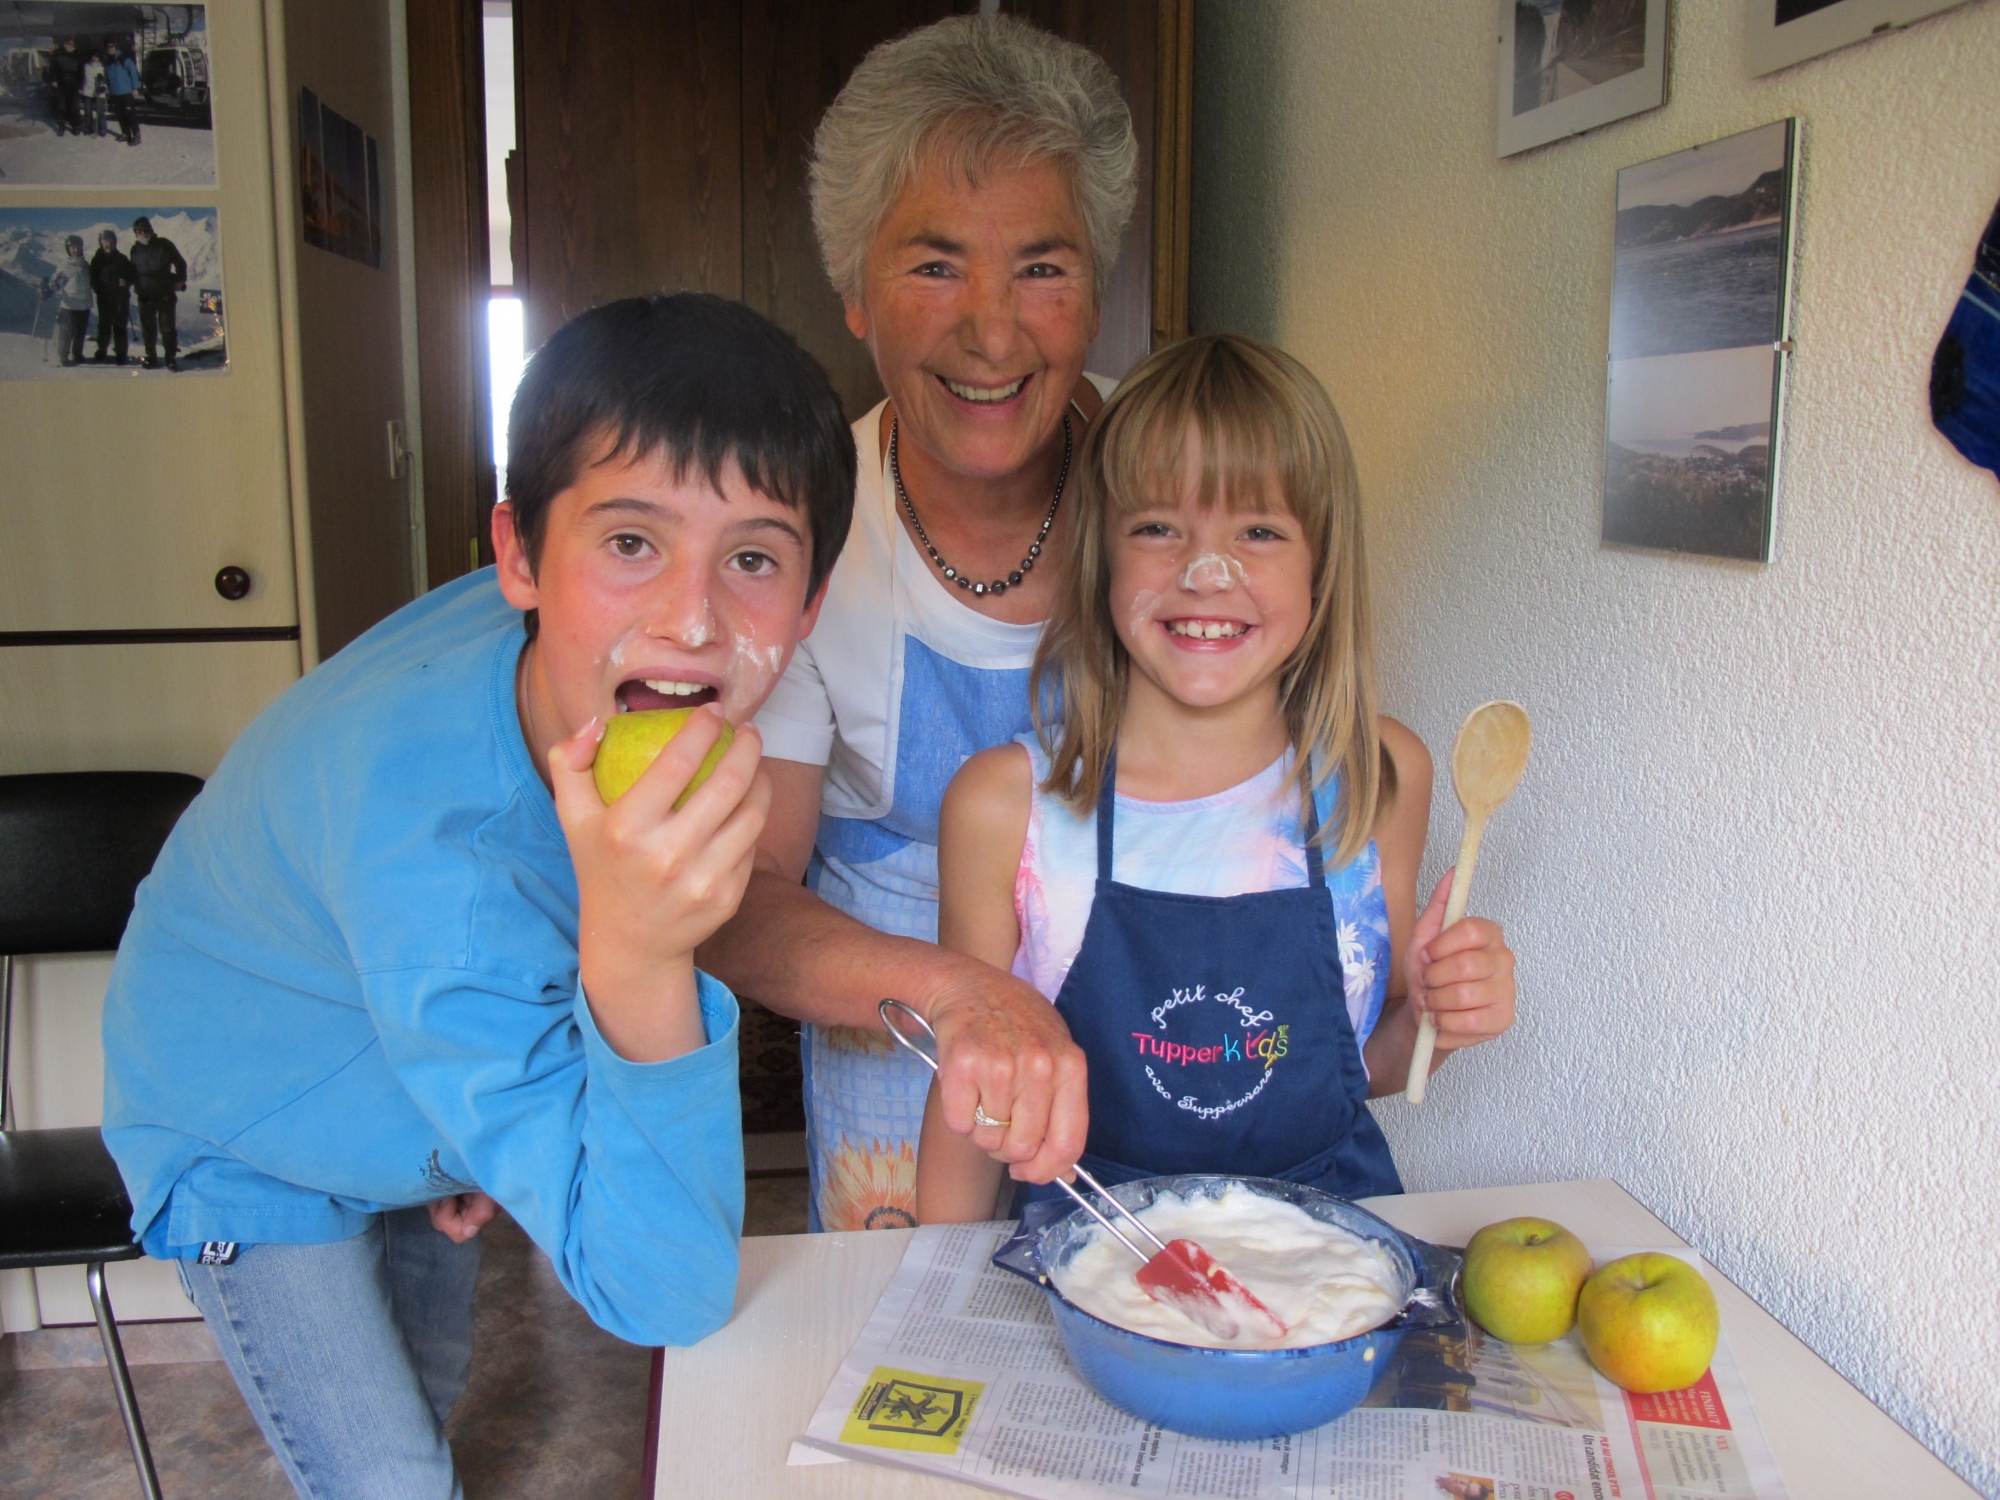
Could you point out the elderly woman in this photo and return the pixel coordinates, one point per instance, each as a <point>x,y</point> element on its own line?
<point>969,187</point>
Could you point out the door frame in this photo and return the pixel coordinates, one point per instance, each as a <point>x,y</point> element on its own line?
<point>453,282</point>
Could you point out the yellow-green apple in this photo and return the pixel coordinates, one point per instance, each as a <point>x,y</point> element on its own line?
<point>1649,1322</point>
<point>633,741</point>
<point>1521,1278</point>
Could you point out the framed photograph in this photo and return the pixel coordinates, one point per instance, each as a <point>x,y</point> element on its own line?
<point>1783,32</point>
<point>1566,66</point>
<point>102,95</point>
<point>340,183</point>
<point>111,293</point>
<point>1699,338</point>
<point>314,215</point>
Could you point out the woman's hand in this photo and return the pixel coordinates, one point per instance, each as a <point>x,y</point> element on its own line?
<point>1003,1049</point>
<point>653,883</point>
<point>1463,976</point>
<point>461,1216</point>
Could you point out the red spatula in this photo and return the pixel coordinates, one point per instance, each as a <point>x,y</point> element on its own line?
<point>1179,1274</point>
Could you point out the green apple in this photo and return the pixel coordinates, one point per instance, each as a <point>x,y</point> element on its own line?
<point>1649,1322</point>
<point>634,741</point>
<point>1521,1278</point>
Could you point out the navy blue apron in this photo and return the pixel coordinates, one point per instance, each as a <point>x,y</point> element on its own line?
<point>1218,1037</point>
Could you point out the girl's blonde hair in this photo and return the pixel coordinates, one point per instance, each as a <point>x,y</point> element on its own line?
<point>1270,440</point>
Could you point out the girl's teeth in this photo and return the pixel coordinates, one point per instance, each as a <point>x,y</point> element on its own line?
<point>670,689</point>
<point>1207,630</point>
<point>978,393</point>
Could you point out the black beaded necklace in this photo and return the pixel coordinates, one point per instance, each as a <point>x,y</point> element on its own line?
<point>998,585</point>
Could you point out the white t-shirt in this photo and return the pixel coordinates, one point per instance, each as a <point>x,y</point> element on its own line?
<point>898,685</point>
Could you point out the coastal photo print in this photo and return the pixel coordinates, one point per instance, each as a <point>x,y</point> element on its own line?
<point>1698,315</point>
<point>1782,32</point>
<point>84,295</point>
<point>340,187</point>
<point>101,95</point>
<point>1565,66</point>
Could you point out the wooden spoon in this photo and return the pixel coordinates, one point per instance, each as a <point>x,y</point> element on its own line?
<point>1486,766</point>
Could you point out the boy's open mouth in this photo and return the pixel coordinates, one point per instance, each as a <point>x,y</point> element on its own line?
<point>646,693</point>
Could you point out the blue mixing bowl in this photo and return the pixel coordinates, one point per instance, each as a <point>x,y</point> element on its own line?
<point>1234,1394</point>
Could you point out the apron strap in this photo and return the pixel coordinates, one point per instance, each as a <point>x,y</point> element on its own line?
<point>1315,866</point>
<point>1107,798</point>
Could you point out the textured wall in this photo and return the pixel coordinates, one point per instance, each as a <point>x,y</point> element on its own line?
<point>1752,875</point>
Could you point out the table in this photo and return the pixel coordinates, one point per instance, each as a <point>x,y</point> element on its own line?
<point>725,1411</point>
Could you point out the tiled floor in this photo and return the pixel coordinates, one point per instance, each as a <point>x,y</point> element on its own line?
<point>555,1408</point>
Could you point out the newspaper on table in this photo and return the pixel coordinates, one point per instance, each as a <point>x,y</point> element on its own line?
<point>960,1373</point>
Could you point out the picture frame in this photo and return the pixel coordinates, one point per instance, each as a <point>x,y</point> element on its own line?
<point>46,335</point>
<point>340,183</point>
<point>1699,346</point>
<point>1779,33</point>
<point>65,120</point>
<point>1562,67</point>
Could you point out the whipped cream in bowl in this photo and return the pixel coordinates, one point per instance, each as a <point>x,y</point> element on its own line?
<point>1345,1283</point>
<point>1324,1282</point>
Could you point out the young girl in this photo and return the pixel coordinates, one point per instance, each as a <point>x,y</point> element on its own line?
<point>1207,855</point>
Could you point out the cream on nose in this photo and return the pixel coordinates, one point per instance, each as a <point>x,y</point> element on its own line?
<point>1211,573</point>
<point>691,631</point>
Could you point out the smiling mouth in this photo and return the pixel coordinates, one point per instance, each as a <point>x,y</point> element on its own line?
<point>1208,630</point>
<point>648,693</point>
<point>983,395</point>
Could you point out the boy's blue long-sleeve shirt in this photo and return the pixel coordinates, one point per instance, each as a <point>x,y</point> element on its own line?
<point>350,984</point>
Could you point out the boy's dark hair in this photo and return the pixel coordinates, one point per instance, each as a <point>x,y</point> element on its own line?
<point>698,379</point>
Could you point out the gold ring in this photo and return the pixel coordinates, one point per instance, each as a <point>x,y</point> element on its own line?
<point>980,1117</point>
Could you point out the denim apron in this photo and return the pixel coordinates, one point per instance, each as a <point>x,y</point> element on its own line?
<point>1218,1035</point>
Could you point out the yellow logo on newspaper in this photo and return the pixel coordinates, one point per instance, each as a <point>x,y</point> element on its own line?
<point>916,1413</point>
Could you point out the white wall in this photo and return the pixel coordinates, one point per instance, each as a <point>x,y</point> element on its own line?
<point>1752,873</point>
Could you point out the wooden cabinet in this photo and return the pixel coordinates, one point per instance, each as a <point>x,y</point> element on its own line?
<point>120,499</point>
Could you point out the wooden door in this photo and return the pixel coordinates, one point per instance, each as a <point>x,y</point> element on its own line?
<point>630,149</point>
<point>665,146</point>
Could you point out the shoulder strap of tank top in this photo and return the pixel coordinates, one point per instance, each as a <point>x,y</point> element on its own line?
<point>1107,800</point>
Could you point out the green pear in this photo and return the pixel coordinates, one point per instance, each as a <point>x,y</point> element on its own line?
<point>633,741</point>
<point>1649,1322</point>
<point>1521,1278</point>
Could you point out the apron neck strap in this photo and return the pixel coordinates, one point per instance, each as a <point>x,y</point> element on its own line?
<point>1107,801</point>
<point>1315,866</point>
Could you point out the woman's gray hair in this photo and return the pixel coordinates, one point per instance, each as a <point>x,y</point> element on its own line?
<point>982,89</point>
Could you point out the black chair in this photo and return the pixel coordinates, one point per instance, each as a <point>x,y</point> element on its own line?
<point>73,849</point>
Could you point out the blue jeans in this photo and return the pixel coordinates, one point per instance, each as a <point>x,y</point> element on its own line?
<point>350,1355</point>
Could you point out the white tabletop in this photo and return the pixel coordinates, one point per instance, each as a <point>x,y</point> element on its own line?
<point>732,1404</point>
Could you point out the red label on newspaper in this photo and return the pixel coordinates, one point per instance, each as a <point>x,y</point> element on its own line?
<point>1699,1405</point>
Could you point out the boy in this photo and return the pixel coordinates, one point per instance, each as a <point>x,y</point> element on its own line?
<point>399,951</point>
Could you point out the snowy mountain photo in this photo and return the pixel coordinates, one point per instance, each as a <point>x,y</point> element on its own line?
<point>32,264</point>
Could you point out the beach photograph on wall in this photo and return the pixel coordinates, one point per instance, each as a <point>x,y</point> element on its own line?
<point>102,95</point>
<point>1698,321</point>
<point>340,183</point>
<point>110,293</point>
<point>1566,66</point>
<point>1783,32</point>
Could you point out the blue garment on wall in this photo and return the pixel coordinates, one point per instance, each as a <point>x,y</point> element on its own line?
<point>1965,372</point>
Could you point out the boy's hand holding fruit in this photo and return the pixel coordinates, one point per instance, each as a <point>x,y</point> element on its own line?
<point>653,882</point>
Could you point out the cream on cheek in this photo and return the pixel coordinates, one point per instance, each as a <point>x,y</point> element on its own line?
<point>1145,605</point>
<point>749,674</point>
<point>621,647</point>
